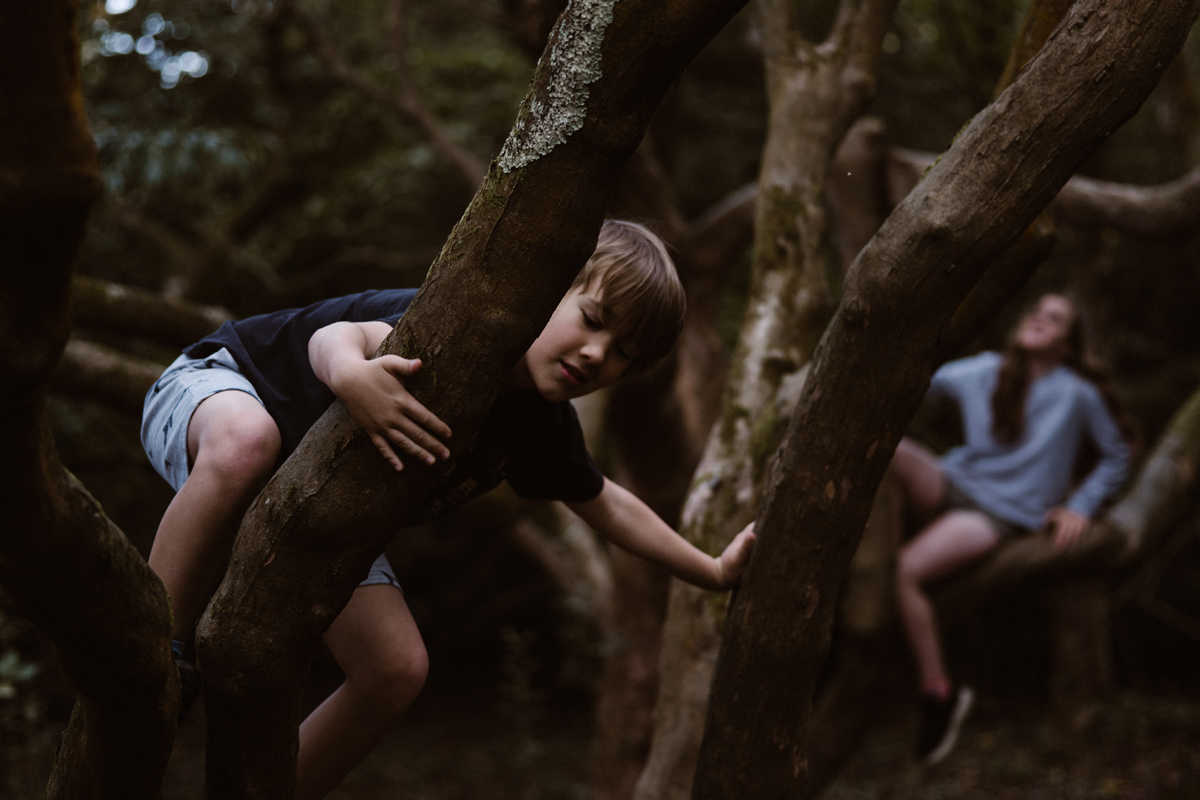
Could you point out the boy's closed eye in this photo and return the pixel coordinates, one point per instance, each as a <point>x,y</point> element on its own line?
<point>592,322</point>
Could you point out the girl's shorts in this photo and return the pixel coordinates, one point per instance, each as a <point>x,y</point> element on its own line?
<point>168,409</point>
<point>956,499</point>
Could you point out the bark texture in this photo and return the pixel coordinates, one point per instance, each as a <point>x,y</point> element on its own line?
<point>313,532</point>
<point>815,92</point>
<point>1006,165</point>
<point>67,567</point>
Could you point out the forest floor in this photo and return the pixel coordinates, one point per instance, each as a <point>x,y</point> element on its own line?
<point>1133,747</point>
<point>459,747</point>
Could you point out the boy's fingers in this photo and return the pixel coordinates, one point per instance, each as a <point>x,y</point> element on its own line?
<point>381,444</point>
<point>411,441</point>
<point>421,438</point>
<point>425,418</point>
<point>400,367</point>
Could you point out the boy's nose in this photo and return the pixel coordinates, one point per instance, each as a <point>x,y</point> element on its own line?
<point>595,349</point>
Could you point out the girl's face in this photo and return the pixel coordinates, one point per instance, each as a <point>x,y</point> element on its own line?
<point>1044,330</point>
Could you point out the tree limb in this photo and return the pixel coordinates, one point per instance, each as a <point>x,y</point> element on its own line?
<point>103,305</point>
<point>102,373</point>
<point>815,91</point>
<point>1169,210</point>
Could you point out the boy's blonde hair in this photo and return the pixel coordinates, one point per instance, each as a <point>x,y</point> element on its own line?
<point>641,297</point>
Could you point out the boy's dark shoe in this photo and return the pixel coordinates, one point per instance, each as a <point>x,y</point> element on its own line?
<point>941,719</point>
<point>189,686</point>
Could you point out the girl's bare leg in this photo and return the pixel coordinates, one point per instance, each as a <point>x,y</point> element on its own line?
<point>919,480</point>
<point>378,646</point>
<point>954,539</point>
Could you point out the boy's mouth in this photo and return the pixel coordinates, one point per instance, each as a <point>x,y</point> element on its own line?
<point>573,374</point>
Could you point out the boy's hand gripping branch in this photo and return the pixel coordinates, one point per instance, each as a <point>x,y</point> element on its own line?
<point>732,562</point>
<point>374,393</point>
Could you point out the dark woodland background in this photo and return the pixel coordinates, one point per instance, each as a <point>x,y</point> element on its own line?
<point>259,156</point>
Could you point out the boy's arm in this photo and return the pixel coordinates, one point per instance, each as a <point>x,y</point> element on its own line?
<point>373,390</point>
<point>619,516</point>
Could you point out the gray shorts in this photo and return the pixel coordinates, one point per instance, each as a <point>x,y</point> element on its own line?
<point>168,409</point>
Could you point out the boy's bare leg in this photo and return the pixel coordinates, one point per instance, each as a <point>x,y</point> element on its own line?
<point>953,540</point>
<point>232,445</point>
<point>378,646</point>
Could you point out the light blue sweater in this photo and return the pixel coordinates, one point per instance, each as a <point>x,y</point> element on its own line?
<point>1019,482</point>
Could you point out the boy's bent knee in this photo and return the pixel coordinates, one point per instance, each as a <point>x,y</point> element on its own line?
<point>396,681</point>
<point>239,449</point>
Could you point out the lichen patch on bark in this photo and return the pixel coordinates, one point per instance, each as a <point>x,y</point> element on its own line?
<point>560,108</point>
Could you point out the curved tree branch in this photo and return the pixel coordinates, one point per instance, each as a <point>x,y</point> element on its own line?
<point>1169,210</point>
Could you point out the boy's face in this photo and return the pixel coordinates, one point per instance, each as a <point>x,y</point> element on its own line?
<point>577,352</point>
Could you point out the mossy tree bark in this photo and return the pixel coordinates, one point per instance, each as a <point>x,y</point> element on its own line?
<point>815,92</point>
<point>312,533</point>
<point>65,564</point>
<point>1005,166</point>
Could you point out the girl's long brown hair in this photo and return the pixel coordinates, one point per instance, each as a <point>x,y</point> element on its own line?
<point>1012,384</point>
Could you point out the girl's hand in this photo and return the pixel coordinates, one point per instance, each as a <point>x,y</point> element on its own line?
<point>732,563</point>
<point>1068,526</point>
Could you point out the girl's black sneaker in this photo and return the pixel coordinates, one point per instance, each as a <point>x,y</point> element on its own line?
<point>941,719</point>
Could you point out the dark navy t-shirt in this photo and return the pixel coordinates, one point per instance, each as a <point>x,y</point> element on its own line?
<point>535,444</point>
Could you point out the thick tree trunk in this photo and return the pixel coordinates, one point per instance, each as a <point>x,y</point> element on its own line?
<point>816,92</point>
<point>68,568</point>
<point>1004,167</point>
<point>331,508</point>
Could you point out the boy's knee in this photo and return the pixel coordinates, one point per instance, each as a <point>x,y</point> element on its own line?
<point>241,451</point>
<point>398,680</point>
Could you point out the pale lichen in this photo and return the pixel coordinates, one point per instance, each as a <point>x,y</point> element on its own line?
<point>559,109</point>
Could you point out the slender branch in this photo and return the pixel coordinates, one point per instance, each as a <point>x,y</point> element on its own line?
<point>1168,210</point>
